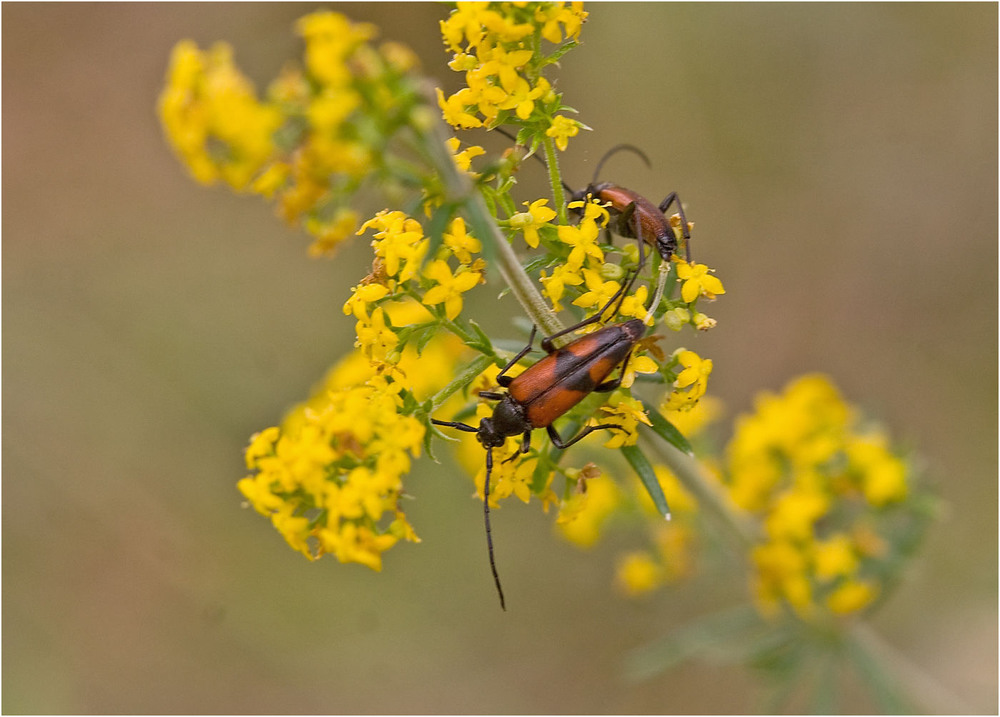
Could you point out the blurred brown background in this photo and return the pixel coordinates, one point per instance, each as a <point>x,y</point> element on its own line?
<point>840,164</point>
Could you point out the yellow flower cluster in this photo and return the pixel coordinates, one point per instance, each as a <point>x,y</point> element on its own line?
<point>330,477</point>
<point>597,501</point>
<point>320,132</point>
<point>498,47</point>
<point>670,555</point>
<point>213,118</point>
<point>401,248</point>
<point>828,493</point>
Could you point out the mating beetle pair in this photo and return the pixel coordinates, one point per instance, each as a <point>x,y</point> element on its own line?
<point>551,387</point>
<point>548,389</point>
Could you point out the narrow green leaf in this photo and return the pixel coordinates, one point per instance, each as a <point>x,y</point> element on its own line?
<point>424,336</point>
<point>438,223</point>
<point>554,57</point>
<point>467,375</point>
<point>718,637</point>
<point>883,688</point>
<point>484,344</point>
<point>644,470</point>
<point>666,430</point>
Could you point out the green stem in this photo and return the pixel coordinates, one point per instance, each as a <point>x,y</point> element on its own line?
<point>460,192</point>
<point>555,179</point>
<point>925,690</point>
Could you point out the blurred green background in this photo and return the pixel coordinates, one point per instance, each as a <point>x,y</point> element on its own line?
<point>840,165</point>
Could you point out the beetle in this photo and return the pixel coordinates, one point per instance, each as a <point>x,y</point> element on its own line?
<point>633,215</point>
<point>549,388</point>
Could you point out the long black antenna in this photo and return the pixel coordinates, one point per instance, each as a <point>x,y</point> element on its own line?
<point>619,148</point>
<point>486,517</point>
<point>537,156</point>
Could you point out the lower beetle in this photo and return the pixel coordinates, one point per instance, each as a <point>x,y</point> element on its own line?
<point>549,388</point>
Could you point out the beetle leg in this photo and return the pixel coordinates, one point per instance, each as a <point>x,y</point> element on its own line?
<point>608,386</point>
<point>547,341</point>
<point>672,198</point>
<point>525,446</point>
<point>623,219</point>
<point>502,378</point>
<point>558,442</point>
<point>491,395</point>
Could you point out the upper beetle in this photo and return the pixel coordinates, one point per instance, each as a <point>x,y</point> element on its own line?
<point>634,215</point>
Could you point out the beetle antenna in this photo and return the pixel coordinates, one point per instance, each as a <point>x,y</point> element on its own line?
<point>456,424</point>
<point>545,164</point>
<point>619,148</point>
<point>486,517</point>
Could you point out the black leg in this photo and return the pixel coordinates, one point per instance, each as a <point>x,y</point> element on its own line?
<point>525,446</point>
<point>624,217</point>
<point>558,442</point>
<point>609,386</point>
<point>502,377</point>
<point>547,341</point>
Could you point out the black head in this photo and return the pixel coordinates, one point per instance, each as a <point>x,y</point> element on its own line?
<point>488,436</point>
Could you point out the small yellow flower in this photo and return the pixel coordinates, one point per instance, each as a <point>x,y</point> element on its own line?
<point>213,119</point>
<point>883,475</point>
<point>639,573</point>
<point>529,222</point>
<point>464,158</point>
<point>627,413</point>
<point>259,495</point>
<point>399,242</point>
<point>562,129</point>
<point>697,282</point>
<point>461,243</point>
<point>271,179</point>
<point>261,444</point>
<point>583,515</point>
<point>599,291</point>
<point>330,40</point>
<point>294,529</point>
<point>634,306</point>
<point>834,557</point>
<point>454,109</point>
<point>794,513</point>
<point>521,97</point>
<point>638,364</point>
<point>449,287</point>
<point>583,239</point>
<point>375,339</point>
<point>330,235</point>
<point>555,285</point>
<point>362,296</point>
<point>696,371</point>
<point>852,596</point>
